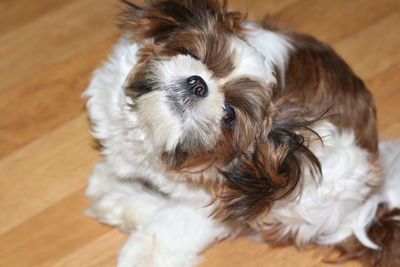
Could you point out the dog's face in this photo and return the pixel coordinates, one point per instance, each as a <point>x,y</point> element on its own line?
<point>198,84</point>
<point>191,93</point>
<point>205,95</point>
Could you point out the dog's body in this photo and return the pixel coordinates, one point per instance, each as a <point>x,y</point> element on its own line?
<point>212,127</point>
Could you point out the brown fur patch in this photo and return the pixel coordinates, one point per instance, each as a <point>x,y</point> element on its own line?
<point>159,18</point>
<point>269,172</point>
<point>317,76</point>
<point>139,84</point>
<point>385,232</point>
<point>210,47</point>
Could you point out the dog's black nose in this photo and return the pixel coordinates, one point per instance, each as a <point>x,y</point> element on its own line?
<point>197,86</point>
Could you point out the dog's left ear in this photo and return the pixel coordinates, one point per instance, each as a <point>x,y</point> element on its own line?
<point>271,171</point>
<point>156,20</point>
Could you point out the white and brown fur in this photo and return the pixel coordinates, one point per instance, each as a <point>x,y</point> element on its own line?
<point>282,144</point>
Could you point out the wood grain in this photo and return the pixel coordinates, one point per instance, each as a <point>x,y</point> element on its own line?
<point>49,49</point>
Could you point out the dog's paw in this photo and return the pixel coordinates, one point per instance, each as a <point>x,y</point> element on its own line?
<point>109,209</point>
<point>147,250</point>
<point>125,205</point>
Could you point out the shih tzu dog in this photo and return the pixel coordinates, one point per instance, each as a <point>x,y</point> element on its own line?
<point>212,126</point>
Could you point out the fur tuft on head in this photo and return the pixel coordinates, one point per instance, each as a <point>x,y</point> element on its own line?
<point>157,19</point>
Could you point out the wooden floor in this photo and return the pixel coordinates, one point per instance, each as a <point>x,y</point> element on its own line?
<point>49,48</point>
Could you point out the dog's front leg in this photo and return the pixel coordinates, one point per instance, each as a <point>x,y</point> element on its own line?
<point>173,237</point>
<point>125,203</point>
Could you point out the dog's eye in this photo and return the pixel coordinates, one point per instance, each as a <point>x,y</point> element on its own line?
<point>229,115</point>
<point>185,51</point>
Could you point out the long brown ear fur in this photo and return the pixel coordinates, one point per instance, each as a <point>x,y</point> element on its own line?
<point>157,19</point>
<point>272,171</point>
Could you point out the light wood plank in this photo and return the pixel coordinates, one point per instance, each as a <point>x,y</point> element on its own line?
<point>100,252</point>
<point>44,172</point>
<point>16,13</point>
<point>53,38</point>
<point>385,87</point>
<point>373,49</point>
<point>257,10</point>
<point>54,97</point>
<point>332,21</point>
<point>51,234</point>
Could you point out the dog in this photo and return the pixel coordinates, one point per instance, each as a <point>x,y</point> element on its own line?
<point>212,126</point>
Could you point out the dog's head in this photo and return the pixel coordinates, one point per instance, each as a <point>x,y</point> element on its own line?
<point>206,97</point>
<point>192,67</point>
